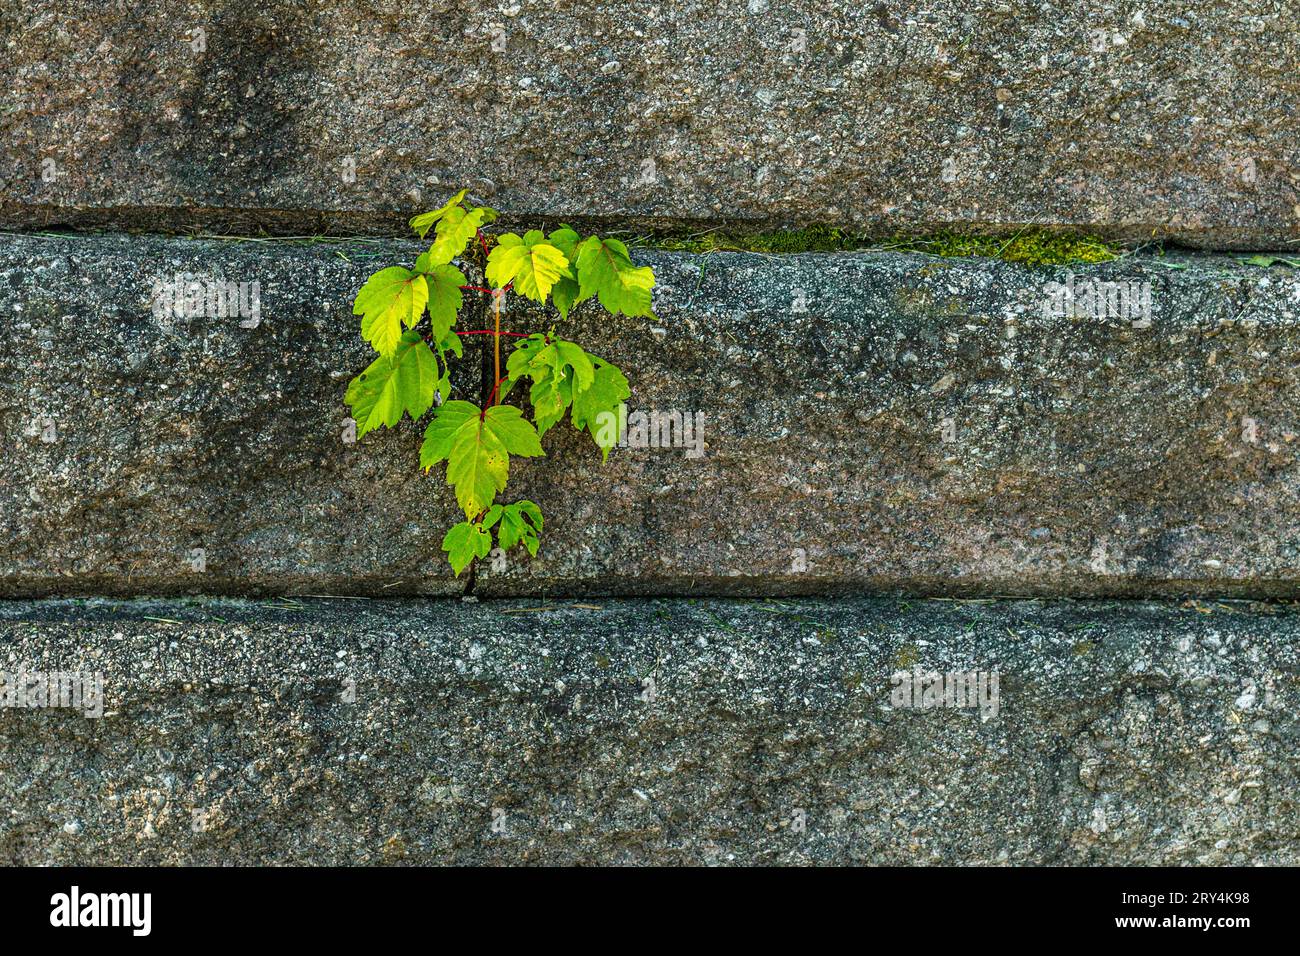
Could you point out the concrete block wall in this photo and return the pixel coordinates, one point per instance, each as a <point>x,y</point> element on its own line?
<point>699,665</point>
<point>1129,118</point>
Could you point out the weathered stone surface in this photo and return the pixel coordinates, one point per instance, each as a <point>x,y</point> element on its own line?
<point>1127,118</point>
<point>923,426</point>
<point>652,732</point>
<point>132,439</point>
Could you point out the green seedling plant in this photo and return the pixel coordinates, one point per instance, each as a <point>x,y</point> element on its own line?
<point>409,317</point>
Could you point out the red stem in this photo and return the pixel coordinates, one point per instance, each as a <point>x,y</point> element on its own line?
<point>493,396</point>
<point>522,335</point>
<point>497,331</point>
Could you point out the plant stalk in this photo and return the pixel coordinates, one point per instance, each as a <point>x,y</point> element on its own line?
<point>496,337</point>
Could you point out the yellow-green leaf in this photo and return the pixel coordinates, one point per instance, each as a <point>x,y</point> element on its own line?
<point>477,447</point>
<point>440,432</point>
<point>530,262</point>
<point>597,408</point>
<point>391,298</point>
<point>521,522</point>
<point>401,383</point>
<point>605,270</point>
<point>455,229</point>
<point>424,222</point>
<point>445,297</point>
<point>464,542</point>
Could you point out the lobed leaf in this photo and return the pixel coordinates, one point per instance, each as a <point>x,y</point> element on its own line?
<point>521,522</point>
<point>565,292</point>
<point>598,408</point>
<point>464,542</point>
<point>445,296</point>
<point>605,270</point>
<point>442,430</point>
<point>403,382</point>
<point>477,447</point>
<point>530,262</point>
<point>550,398</point>
<point>455,230</point>
<point>391,298</point>
<point>426,220</point>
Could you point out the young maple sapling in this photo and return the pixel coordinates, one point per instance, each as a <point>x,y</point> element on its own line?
<point>412,373</point>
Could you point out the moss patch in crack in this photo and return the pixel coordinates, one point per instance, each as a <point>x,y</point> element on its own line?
<point>810,239</point>
<point>1028,248</point>
<point>1038,248</point>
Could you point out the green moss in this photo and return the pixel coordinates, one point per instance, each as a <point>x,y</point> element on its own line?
<point>811,239</point>
<point>907,656</point>
<point>827,635</point>
<point>1029,248</point>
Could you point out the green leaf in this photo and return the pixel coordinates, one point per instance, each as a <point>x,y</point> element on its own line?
<point>521,523</point>
<point>477,467</point>
<point>591,409</point>
<point>450,342</point>
<point>425,221</point>
<point>550,397</point>
<point>605,270</point>
<point>402,382</point>
<point>524,353</point>
<point>570,356</point>
<point>464,542</point>
<point>518,360</point>
<point>455,229</point>
<point>561,371</point>
<point>555,358</point>
<point>477,447</point>
<point>565,293</point>
<point>445,298</point>
<point>438,436</point>
<point>566,240</point>
<point>391,298</point>
<point>637,287</point>
<point>515,432</point>
<point>531,263</point>
<point>531,510</point>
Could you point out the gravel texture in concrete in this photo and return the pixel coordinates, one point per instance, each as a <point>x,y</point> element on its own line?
<point>358,732</point>
<point>1123,117</point>
<point>869,422</point>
